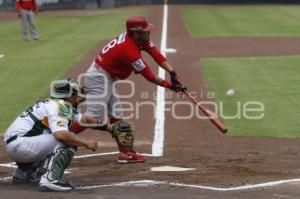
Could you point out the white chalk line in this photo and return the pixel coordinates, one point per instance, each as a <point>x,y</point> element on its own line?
<point>140,183</point>
<point>6,179</point>
<point>238,188</point>
<point>150,183</point>
<point>9,165</point>
<point>159,129</point>
<point>13,164</point>
<point>102,144</point>
<point>95,154</point>
<point>108,153</point>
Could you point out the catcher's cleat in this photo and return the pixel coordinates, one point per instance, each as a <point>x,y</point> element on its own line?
<point>130,157</point>
<point>55,185</point>
<point>17,180</point>
<point>30,175</point>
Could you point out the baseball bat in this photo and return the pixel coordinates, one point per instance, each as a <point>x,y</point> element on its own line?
<point>213,118</point>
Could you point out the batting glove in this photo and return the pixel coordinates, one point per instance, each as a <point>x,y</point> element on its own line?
<point>178,88</point>
<point>174,78</point>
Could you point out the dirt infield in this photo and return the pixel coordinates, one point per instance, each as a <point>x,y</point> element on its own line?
<point>220,161</point>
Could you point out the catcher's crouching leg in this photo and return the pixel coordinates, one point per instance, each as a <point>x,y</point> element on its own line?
<point>58,161</point>
<point>123,132</point>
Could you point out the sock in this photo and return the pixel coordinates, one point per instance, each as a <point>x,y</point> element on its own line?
<point>76,128</point>
<point>114,120</point>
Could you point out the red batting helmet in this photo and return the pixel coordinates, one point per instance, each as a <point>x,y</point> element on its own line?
<point>138,23</point>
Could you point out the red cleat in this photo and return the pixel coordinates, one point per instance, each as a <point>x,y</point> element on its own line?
<point>130,157</point>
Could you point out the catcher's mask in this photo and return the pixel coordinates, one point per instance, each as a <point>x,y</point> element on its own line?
<point>62,89</point>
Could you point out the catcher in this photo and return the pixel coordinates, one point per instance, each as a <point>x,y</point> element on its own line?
<point>40,143</point>
<point>39,140</point>
<point>117,60</point>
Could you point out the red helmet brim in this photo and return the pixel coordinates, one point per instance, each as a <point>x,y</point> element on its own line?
<point>148,28</point>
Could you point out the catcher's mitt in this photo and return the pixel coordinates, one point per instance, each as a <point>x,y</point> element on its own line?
<point>123,132</point>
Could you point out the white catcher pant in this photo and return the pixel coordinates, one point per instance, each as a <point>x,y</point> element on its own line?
<point>32,149</point>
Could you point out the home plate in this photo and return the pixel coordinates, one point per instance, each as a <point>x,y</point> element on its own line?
<point>170,168</point>
<point>1,56</point>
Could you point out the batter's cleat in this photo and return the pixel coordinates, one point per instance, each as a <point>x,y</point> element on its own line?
<point>130,157</point>
<point>60,185</point>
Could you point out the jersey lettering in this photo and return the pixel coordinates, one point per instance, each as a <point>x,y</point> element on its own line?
<point>113,43</point>
<point>30,110</point>
<point>121,38</point>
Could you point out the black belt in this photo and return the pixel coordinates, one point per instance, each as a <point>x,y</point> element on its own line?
<point>11,139</point>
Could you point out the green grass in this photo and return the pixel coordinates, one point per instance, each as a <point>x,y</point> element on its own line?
<point>28,68</point>
<point>273,81</point>
<point>243,21</point>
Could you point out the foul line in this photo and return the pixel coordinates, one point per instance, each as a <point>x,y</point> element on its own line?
<point>95,154</point>
<point>149,183</point>
<point>103,154</point>
<point>159,131</point>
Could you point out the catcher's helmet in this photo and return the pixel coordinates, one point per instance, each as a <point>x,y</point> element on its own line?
<point>65,88</point>
<point>138,23</point>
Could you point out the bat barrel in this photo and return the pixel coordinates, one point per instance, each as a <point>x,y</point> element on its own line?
<point>213,118</point>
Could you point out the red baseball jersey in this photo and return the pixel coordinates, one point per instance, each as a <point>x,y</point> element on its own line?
<point>27,5</point>
<point>121,56</point>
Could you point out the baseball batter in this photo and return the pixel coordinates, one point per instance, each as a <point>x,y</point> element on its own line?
<point>39,140</point>
<point>117,60</point>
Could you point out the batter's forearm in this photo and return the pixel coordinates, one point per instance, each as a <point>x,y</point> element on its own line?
<point>150,76</point>
<point>161,82</point>
<point>167,66</point>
